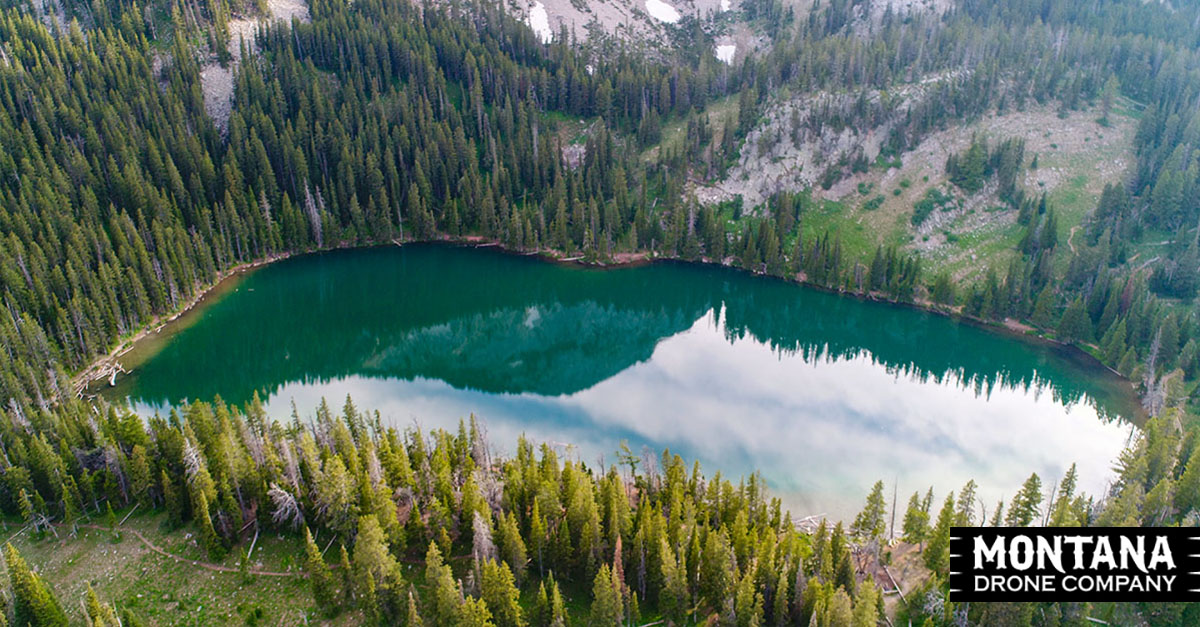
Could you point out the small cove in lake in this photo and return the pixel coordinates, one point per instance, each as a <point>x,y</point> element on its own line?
<point>824,394</point>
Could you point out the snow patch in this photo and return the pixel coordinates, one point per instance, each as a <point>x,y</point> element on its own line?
<point>539,21</point>
<point>726,5</point>
<point>725,52</point>
<point>662,11</point>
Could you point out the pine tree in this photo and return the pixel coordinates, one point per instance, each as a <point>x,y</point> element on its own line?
<point>347,575</point>
<point>537,536</point>
<point>70,513</point>
<point>33,602</point>
<point>376,568</point>
<point>1062,513</point>
<point>843,567</point>
<point>25,506</point>
<point>129,619</point>
<point>172,500</point>
<point>558,609</point>
<point>1049,231</point>
<point>916,521</point>
<point>539,616</point>
<point>716,579</point>
<point>1187,492</point>
<point>866,605</point>
<point>511,546</point>
<point>673,599</point>
<point>811,602</point>
<point>1107,96</point>
<point>1043,309</point>
<point>99,614</point>
<point>943,290</point>
<point>838,610</point>
<point>139,475</point>
<point>607,606</point>
<point>244,574</point>
<point>500,592</point>
<point>1114,346</point>
<point>997,515</point>
<point>444,605</point>
<point>208,535</point>
<point>368,600</point>
<point>1158,503</point>
<point>748,602</point>
<point>1075,325</point>
<point>413,618</point>
<point>1026,504</point>
<point>937,553</point>
<point>781,609</point>
<point>473,613</point>
<point>964,515</point>
<point>870,523</point>
<point>319,576</point>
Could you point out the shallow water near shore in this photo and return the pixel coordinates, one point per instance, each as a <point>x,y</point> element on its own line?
<point>824,394</point>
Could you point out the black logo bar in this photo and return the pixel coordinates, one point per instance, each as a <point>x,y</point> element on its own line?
<point>1074,564</point>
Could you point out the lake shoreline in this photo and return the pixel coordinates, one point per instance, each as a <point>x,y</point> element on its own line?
<point>108,365</point>
<point>1009,328</point>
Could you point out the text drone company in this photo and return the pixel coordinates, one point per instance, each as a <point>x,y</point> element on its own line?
<point>1074,583</point>
<point>990,564</point>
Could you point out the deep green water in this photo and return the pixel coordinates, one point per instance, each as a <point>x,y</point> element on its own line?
<point>823,393</point>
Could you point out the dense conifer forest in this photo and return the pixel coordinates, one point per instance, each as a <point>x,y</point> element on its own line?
<point>387,120</point>
<point>122,198</point>
<point>503,539</point>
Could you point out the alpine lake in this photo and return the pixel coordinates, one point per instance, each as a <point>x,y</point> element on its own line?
<point>824,394</point>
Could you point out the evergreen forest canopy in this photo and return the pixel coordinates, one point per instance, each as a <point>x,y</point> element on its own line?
<point>503,541</point>
<point>380,120</point>
<point>120,200</point>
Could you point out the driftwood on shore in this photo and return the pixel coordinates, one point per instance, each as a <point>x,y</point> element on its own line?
<point>809,524</point>
<point>113,370</point>
<point>108,369</point>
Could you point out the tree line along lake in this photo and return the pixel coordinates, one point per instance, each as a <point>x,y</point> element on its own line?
<point>822,393</point>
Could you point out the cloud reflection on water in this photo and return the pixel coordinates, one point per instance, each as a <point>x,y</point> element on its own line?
<point>821,429</point>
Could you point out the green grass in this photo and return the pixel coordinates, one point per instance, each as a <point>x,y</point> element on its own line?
<point>992,246</point>
<point>1127,107</point>
<point>1071,202</point>
<point>1152,243</point>
<point>674,128</point>
<point>165,591</point>
<point>838,218</point>
<point>570,130</point>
